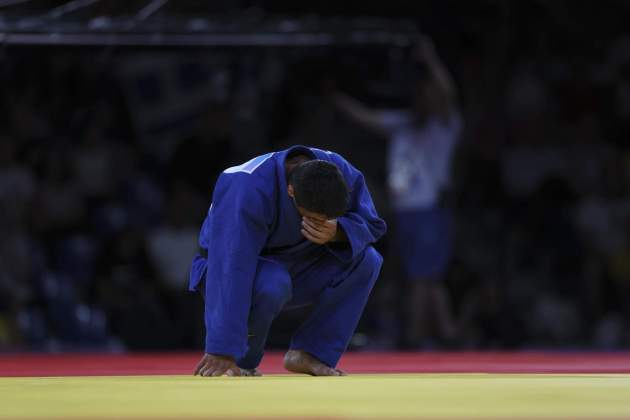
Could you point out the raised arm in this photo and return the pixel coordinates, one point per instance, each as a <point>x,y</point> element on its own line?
<point>424,53</point>
<point>359,113</point>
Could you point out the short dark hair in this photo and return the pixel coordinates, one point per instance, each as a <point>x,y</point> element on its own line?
<point>319,186</point>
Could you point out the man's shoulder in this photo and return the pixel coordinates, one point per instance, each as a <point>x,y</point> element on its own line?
<point>257,174</point>
<point>258,165</point>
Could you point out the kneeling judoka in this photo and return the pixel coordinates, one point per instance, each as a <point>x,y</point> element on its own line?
<point>285,229</point>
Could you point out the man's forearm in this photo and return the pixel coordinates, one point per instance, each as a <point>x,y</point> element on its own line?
<point>425,53</point>
<point>358,112</point>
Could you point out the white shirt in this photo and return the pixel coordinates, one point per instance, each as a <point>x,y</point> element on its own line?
<point>419,160</point>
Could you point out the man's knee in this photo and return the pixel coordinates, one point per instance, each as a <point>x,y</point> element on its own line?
<point>273,292</point>
<point>367,269</point>
<point>372,258</point>
<point>372,262</point>
<point>272,286</point>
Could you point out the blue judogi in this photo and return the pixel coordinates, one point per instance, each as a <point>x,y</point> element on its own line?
<point>259,263</point>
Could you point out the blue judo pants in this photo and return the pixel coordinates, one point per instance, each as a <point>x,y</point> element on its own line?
<point>338,291</point>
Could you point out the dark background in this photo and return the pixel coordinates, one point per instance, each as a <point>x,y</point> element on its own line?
<point>109,151</point>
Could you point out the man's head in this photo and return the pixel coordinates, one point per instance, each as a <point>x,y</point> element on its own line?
<point>318,189</point>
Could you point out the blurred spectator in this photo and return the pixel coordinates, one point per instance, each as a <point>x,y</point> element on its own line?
<point>421,144</point>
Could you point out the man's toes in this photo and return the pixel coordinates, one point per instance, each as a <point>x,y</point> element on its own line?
<point>301,362</point>
<point>334,372</point>
<point>234,372</point>
<point>323,370</point>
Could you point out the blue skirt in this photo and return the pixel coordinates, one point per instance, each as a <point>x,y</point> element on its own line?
<point>423,241</point>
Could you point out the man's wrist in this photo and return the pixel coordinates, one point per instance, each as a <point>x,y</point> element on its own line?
<point>340,235</point>
<point>214,347</point>
<point>222,356</point>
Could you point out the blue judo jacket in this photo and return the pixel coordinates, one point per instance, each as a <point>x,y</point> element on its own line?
<point>251,215</point>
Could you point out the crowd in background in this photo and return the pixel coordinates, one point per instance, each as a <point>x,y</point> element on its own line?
<point>100,207</point>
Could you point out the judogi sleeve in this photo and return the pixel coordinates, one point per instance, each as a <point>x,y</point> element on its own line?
<point>237,230</point>
<point>361,223</point>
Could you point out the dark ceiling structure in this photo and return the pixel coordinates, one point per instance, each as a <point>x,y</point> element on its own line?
<point>187,23</point>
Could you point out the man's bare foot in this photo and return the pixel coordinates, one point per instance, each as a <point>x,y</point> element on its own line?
<point>299,361</point>
<point>250,372</point>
